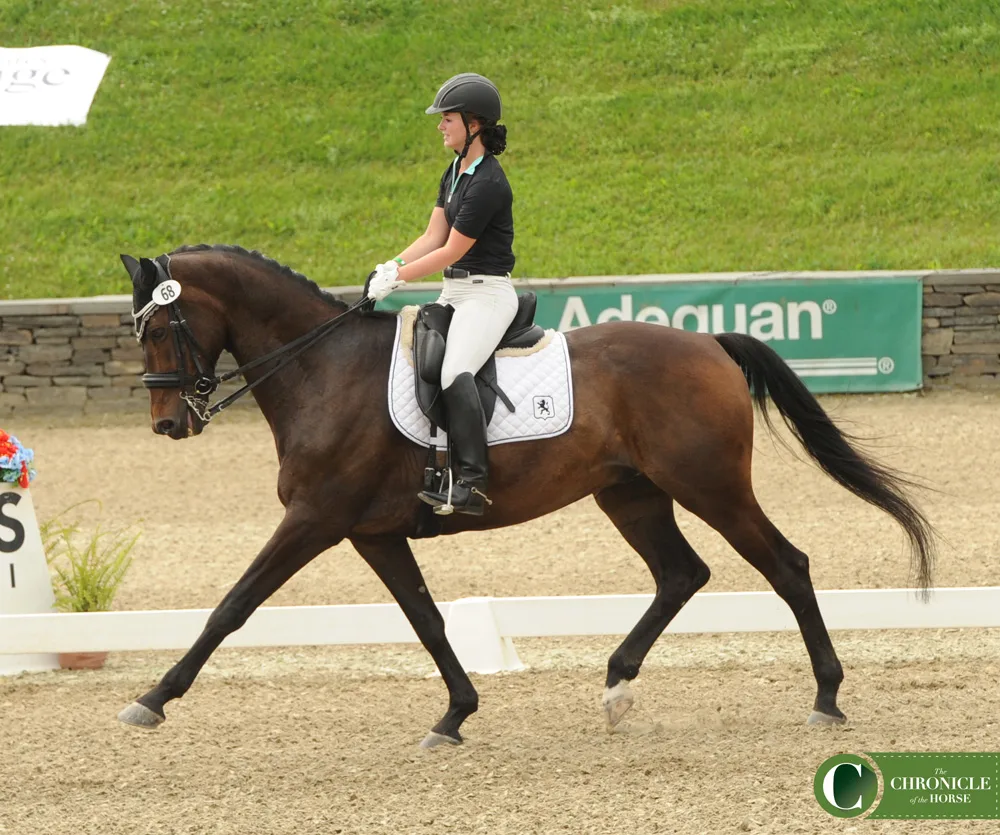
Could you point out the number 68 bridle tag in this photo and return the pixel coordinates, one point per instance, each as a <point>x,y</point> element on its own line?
<point>167,292</point>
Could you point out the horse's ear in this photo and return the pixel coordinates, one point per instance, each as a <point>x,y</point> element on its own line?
<point>131,264</point>
<point>147,280</point>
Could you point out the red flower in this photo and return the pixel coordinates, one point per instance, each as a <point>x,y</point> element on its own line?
<point>24,480</point>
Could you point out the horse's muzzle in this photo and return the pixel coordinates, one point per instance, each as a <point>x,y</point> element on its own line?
<point>169,427</point>
<point>189,424</point>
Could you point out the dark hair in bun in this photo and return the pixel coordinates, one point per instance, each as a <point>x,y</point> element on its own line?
<point>494,136</point>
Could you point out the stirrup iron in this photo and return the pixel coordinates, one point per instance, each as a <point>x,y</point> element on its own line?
<point>447,508</point>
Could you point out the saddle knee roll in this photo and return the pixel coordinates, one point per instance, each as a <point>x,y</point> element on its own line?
<point>431,352</point>
<point>429,340</point>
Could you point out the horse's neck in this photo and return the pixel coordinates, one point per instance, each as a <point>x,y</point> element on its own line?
<point>330,365</point>
<point>274,321</point>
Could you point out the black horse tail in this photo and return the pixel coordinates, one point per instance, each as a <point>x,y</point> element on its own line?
<point>768,375</point>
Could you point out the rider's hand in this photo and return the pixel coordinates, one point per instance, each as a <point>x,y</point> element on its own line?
<point>385,280</point>
<point>389,268</point>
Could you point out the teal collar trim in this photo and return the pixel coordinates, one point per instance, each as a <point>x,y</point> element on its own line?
<point>470,170</point>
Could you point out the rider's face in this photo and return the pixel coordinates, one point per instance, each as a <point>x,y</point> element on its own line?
<point>453,130</point>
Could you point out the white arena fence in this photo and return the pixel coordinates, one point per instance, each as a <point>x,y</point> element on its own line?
<point>482,629</point>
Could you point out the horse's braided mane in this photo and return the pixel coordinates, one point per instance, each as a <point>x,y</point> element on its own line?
<point>268,262</point>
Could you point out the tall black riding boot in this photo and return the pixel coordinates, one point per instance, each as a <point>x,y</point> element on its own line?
<point>467,433</point>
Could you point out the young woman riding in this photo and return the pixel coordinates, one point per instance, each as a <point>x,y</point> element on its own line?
<point>470,237</point>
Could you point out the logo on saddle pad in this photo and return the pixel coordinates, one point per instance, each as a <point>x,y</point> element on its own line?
<point>544,407</point>
<point>538,382</point>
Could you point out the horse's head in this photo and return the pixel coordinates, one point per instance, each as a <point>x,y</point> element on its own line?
<point>181,341</point>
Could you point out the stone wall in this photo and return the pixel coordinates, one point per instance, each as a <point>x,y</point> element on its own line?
<point>74,355</point>
<point>80,355</point>
<point>961,329</point>
<point>67,356</point>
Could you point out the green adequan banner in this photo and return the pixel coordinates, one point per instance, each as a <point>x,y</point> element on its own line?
<point>856,333</point>
<point>912,786</point>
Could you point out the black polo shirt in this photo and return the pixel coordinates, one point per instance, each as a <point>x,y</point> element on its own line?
<point>480,207</point>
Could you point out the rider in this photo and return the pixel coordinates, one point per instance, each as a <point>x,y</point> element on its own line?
<point>470,236</point>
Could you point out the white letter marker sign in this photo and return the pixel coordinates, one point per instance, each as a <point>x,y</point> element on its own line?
<point>49,85</point>
<point>25,587</point>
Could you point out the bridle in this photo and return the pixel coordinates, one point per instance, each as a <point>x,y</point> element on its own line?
<point>195,389</point>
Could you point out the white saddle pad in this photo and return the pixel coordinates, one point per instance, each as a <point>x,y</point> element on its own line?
<point>539,384</point>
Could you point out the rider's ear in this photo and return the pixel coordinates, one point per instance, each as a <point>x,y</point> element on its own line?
<point>131,264</point>
<point>149,274</point>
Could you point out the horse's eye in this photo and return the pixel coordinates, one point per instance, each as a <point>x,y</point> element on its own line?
<point>157,334</point>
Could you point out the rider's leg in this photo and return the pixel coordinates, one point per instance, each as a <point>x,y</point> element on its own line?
<point>467,434</point>
<point>483,312</point>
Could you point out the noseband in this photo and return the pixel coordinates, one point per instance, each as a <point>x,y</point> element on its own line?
<point>195,389</point>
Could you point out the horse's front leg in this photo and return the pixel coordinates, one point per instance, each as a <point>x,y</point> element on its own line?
<point>297,540</point>
<point>394,563</point>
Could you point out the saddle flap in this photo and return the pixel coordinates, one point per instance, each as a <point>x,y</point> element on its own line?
<point>429,341</point>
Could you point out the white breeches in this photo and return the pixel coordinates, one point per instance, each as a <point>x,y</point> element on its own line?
<point>484,308</point>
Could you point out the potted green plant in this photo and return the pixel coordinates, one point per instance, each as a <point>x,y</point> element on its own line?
<point>87,568</point>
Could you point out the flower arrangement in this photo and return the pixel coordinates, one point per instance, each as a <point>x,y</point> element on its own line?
<point>15,461</point>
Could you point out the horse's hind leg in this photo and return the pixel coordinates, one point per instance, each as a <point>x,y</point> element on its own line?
<point>644,515</point>
<point>736,515</point>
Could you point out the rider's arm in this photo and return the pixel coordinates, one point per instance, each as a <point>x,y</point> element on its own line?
<point>434,237</point>
<point>483,199</point>
<point>454,248</point>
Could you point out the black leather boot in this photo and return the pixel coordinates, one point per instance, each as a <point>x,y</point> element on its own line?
<point>467,434</point>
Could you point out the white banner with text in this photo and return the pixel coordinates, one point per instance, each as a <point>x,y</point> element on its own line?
<point>49,85</point>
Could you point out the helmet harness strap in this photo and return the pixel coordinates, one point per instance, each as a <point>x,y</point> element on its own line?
<point>469,135</point>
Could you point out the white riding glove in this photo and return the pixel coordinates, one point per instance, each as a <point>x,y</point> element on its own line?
<point>385,280</point>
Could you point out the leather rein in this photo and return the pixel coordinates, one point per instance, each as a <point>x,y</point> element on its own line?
<point>195,389</point>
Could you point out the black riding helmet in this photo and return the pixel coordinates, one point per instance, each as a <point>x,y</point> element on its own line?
<point>468,94</point>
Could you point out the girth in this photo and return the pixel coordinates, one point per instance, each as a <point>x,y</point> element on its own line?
<point>429,340</point>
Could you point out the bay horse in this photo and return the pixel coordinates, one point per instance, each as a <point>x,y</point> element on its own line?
<point>661,416</point>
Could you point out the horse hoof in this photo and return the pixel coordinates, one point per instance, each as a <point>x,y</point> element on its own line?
<point>617,701</point>
<point>818,718</point>
<point>434,739</point>
<point>140,716</point>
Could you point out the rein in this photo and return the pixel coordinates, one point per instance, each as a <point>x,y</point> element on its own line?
<point>285,354</point>
<point>207,381</point>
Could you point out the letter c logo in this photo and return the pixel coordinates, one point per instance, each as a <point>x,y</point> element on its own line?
<point>846,785</point>
<point>830,783</point>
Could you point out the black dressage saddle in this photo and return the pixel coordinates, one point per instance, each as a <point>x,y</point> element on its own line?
<point>430,335</point>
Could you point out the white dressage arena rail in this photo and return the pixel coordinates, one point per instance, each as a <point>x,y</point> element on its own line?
<point>481,629</point>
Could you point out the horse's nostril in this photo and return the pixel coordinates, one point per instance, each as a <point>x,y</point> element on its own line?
<point>164,426</point>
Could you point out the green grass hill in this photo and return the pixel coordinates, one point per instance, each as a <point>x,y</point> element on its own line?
<point>644,137</point>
